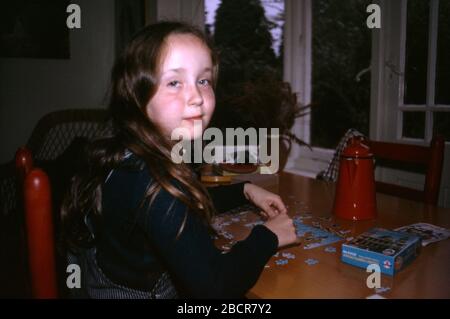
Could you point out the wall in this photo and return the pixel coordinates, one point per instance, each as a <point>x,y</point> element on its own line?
<point>30,88</point>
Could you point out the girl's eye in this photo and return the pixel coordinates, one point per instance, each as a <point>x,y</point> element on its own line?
<point>205,82</point>
<point>174,84</point>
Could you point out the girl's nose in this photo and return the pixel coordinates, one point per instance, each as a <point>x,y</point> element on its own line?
<point>195,98</point>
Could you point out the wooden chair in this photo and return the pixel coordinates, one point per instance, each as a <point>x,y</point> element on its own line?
<point>53,135</point>
<point>431,158</point>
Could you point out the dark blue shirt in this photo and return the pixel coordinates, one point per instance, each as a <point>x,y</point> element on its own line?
<point>136,241</point>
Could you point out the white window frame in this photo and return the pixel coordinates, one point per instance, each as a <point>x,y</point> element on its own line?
<point>429,107</point>
<point>387,45</point>
<point>387,82</point>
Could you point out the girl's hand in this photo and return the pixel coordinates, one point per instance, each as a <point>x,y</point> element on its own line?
<point>270,203</point>
<point>283,227</point>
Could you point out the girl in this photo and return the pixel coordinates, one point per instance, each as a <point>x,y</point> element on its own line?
<point>137,223</point>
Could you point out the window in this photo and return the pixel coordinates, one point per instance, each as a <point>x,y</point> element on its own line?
<point>273,11</point>
<point>424,108</point>
<point>341,56</point>
<point>401,98</point>
<point>248,36</point>
<point>330,70</point>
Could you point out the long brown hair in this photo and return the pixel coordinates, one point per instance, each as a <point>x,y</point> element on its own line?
<point>133,84</point>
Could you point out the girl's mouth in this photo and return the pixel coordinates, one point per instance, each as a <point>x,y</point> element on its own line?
<point>193,118</point>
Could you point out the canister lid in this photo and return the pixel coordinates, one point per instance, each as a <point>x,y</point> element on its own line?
<point>357,148</point>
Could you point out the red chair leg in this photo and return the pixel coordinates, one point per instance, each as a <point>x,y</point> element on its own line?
<point>39,225</point>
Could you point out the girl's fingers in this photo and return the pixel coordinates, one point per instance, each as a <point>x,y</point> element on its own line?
<point>270,209</point>
<point>279,205</point>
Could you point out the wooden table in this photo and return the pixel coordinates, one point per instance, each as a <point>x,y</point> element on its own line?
<point>428,276</point>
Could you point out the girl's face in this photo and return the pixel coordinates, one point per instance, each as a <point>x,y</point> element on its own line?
<point>184,97</point>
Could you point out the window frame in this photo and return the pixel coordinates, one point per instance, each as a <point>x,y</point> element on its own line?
<point>429,107</point>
